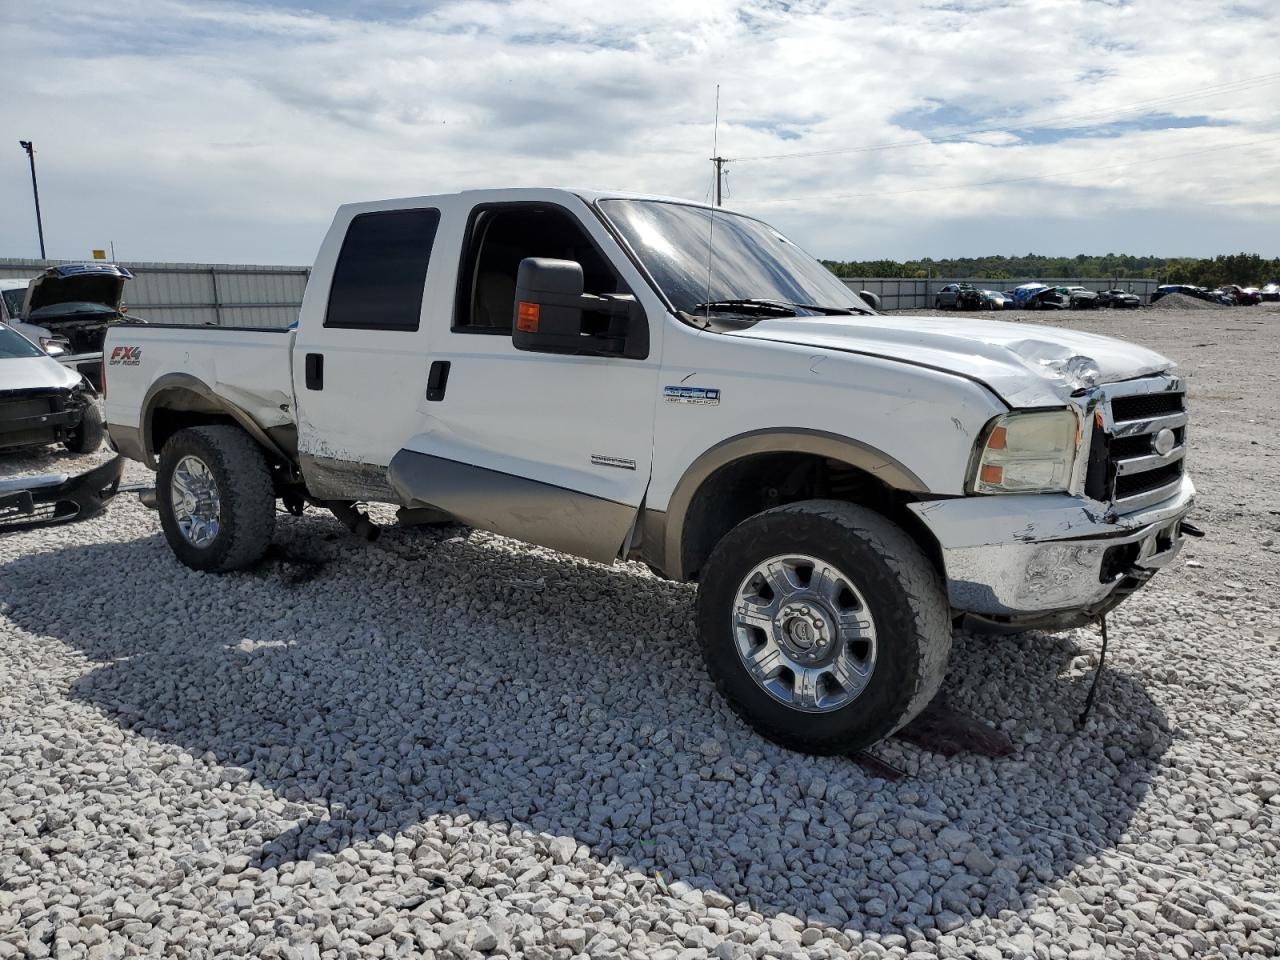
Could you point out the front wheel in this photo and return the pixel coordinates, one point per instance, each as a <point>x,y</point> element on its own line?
<point>824,625</point>
<point>215,497</point>
<point>87,435</point>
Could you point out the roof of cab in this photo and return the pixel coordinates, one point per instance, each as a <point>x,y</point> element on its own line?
<point>518,193</point>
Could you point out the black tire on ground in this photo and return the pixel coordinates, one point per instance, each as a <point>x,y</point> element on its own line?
<point>247,502</point>
<point>87,436</point>
<point>903,590</point>
<point>937,303</point>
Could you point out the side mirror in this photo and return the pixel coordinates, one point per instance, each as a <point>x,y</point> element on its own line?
<point>553,315</point>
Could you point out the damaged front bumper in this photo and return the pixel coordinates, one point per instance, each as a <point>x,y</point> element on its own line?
<point>30,502</point>
<point>1050,560</point>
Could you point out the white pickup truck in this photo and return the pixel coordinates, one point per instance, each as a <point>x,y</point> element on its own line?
<point>626,377</point>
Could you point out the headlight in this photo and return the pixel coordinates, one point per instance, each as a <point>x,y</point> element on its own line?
<point>1030,452</point>
<point>54,346</point>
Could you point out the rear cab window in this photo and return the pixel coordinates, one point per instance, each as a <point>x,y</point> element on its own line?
<point>381,271</point>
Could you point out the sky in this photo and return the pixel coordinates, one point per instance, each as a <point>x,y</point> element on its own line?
<point>211,131</point>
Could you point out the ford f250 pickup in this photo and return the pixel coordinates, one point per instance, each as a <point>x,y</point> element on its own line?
<point>627,377</point>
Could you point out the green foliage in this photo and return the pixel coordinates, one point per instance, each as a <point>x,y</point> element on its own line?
<point>1246,269</point>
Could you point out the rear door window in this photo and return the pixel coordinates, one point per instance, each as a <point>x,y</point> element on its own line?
<point>381,270</point>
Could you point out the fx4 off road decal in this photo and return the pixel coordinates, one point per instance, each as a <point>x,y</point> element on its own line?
<point>703,395</point>
<point>125,357</point>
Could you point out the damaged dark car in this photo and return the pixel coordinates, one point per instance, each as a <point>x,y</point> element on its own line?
<point>1119,300</point>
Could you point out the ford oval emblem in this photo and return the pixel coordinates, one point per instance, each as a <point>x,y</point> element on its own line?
<point>1165,441</point>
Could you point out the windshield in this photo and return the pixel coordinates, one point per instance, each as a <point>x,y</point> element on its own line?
<point>71,309</point>
<point>13,300</point>
<point>14,346</point>
<point>749,259</point>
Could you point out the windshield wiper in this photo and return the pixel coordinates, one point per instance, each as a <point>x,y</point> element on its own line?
<point>777,308</point>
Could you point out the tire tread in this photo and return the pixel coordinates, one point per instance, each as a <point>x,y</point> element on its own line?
<point>248,494</point>
<point>929,616</point>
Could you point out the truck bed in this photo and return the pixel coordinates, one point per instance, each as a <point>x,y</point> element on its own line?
<point>247,366</point>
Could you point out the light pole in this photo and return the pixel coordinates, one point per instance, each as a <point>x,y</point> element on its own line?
<point>35,191</point>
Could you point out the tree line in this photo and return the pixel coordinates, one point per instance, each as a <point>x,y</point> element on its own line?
<point>1246,269</point>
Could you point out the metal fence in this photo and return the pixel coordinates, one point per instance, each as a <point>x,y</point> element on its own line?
<point>246,295</point>
<point>224,294</point>
<point>918,294</point>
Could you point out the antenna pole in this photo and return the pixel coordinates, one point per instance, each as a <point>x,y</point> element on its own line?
<point>28,146</point>
<point>719,162</point>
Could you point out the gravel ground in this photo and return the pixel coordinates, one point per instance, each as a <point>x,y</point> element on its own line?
<point>450,744</point>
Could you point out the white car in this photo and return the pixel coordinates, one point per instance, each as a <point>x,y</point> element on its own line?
<point>42,402</point>
<point>606,375</point>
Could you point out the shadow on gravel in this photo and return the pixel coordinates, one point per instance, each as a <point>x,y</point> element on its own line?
<point>436,673</point>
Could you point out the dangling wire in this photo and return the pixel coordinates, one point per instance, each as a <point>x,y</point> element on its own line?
<point>1093,687</point>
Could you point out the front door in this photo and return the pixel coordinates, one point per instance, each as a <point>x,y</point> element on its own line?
<point>548,448</point>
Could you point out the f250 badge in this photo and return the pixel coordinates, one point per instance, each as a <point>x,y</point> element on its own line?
<point>125,356</point>
<point>703,395</point>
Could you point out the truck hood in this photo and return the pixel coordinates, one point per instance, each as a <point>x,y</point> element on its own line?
<point>101,284</point>
<point>1026,365</point>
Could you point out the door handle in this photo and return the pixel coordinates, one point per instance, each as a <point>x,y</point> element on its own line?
<point>437,379</point>
<point>315,371</point>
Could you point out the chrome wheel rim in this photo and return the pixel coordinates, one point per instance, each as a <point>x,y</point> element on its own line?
<point>196,507</point>
<point>805,633</point>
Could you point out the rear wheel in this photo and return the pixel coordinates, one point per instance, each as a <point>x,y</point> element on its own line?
<point>215,496</point>
<point>824,625</point>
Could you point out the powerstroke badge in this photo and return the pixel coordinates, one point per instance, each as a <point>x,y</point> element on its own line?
<point>704,395</point>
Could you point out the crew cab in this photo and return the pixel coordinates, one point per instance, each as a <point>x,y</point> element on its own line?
<point>629,377</point>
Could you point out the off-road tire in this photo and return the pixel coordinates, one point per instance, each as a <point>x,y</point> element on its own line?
<point>906,598</point>
<point>247,499</point>
<point>87,436</point>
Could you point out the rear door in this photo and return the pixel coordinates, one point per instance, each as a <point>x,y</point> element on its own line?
<point>548,448</point>
<point>360,357</point>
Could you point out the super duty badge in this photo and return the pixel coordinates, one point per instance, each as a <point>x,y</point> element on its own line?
<point>705,395</point>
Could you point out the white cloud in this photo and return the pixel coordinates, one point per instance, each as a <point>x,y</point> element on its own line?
<point>194,130</point>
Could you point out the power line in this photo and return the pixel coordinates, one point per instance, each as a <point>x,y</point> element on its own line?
<point>1137,106</point>
<point>992,183</point>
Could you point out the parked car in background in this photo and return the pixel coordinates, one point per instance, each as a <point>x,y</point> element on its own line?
<point>1022,294</point>
<point>1080,298</point>
<point>43,402</point>
<point>1270,291</point>
<point>66,311</point>
<point>1051,298</point>
<point>1119,299</point>
<point>958,296</point>
<point>997,300</point>
<point>1240,296</point>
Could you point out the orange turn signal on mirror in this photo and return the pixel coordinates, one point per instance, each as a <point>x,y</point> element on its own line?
<point>527,317</point>
<point>993,474</point>
<point>998,439</point>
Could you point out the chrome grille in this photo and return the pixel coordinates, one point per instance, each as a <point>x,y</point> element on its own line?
<point>1125,467</point>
